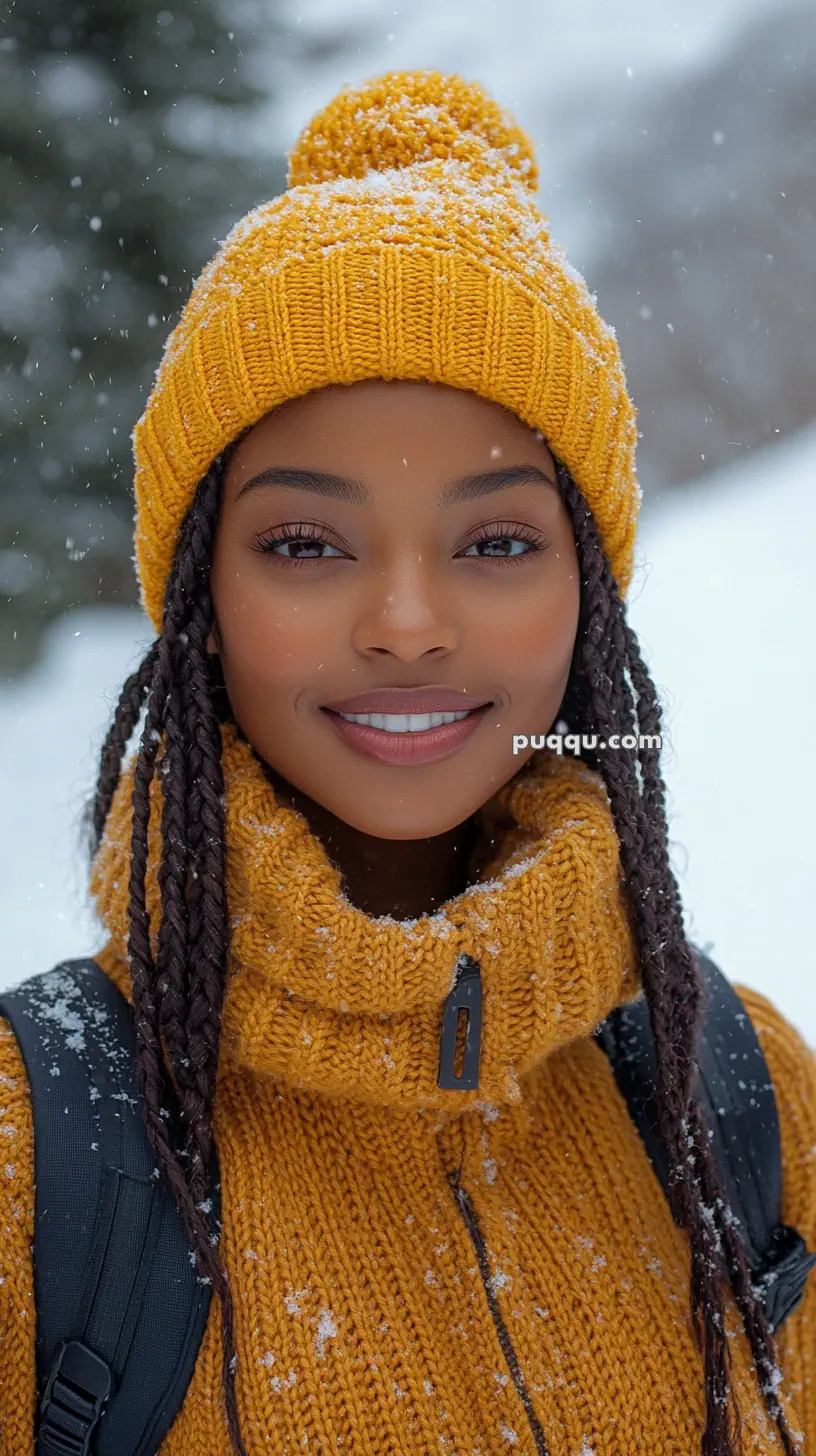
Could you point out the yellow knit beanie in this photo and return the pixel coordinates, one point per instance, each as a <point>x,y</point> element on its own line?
<point>407,246</point>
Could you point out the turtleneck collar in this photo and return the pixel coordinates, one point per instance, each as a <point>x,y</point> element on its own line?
<point>326,998</point>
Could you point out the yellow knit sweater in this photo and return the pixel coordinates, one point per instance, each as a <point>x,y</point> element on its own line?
<point>365,1318</point>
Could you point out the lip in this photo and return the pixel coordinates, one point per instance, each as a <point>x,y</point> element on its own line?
<point>407,749</point>
<point>409,700</point>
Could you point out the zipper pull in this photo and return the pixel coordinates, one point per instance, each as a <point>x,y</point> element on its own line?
<point>466,996</point>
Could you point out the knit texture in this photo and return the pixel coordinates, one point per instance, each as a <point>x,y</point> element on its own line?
<point>325,997</point>
<point>362,1320</point>
<point>408,245</point>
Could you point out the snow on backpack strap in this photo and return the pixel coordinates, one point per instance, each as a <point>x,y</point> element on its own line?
<point>739,1105</point>
<point>120,1310</point>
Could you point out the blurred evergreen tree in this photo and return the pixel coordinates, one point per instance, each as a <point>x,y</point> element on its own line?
<point>126,154</point>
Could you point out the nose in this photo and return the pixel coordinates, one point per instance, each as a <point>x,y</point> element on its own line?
<point>406,613</point>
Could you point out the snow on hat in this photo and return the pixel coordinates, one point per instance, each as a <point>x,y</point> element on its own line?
<point>407,245</point>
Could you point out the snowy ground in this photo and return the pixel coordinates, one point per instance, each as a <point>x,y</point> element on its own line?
<point>724,606</point>
<point>723,600</point>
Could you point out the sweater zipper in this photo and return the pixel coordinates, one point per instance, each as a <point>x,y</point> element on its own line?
<point>468,1213</point>
<point>467,996</point>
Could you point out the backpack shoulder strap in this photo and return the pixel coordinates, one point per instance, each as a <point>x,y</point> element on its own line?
<point>121,1311</point>
<point>739,1104</point>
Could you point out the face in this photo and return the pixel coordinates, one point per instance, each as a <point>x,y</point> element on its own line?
<point>400,539</point>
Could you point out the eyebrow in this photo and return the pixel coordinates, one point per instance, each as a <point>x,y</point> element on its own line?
<point>354,492</point>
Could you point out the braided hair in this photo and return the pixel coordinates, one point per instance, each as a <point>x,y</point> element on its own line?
<point>178,992</point>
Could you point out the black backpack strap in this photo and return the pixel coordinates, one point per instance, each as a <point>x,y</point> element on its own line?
<point>120,1309</point>
<point>739,1105</point>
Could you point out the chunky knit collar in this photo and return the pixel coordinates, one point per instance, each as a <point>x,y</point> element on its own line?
<point>326,998</point>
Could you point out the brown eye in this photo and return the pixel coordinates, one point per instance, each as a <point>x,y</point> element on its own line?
<point>507,534</point>
<point>307,541</point>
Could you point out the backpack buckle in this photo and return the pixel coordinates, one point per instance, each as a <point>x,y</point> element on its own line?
<point>783,1274</point>
<point>79,1383</point>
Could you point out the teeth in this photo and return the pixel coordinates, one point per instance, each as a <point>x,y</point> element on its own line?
<point>404,722</point>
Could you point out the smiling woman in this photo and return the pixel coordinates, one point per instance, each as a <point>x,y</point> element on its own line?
<point>442,560</point>
<point>386,503</point>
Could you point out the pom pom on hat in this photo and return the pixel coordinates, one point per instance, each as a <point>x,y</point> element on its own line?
<point>406,117</point>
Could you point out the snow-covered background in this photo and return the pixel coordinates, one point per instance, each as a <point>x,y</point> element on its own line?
<point>672,144</point>
<point>723,599</point>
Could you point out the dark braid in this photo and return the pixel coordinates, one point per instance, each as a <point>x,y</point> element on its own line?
<point>127,716</point>
<point>178,996</point>
<point>610,691</point>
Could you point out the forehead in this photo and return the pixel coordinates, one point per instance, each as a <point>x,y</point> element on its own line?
<point>374,424</point>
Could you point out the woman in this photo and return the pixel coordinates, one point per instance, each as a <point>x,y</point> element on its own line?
<point>386,500</point>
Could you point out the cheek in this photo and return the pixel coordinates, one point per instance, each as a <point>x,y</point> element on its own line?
<point>532,644</point>
<point>270,640</point>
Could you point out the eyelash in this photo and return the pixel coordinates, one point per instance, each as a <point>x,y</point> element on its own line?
<point>305,531</point>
